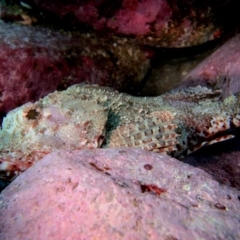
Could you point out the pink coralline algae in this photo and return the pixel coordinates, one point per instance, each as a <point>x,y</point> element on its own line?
<point>108,194</point>
<point>161,23</point>
<point>35,61</point>
<point>220,70</point>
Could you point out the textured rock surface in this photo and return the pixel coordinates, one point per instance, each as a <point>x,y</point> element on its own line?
<point>36,61</point>
<point>117,194</point>
<point>221,69</point>
<point>221,161</point>
<point>177,123</point>
<point>168,23</point>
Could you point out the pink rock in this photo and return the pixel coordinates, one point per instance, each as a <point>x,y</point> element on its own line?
<point>221,69</point>
<point>117,194</point>
<point>36,61</point>
<point>221,161</point>
<point>162,23</point>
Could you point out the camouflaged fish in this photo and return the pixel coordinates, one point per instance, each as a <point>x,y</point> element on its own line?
<point>89,116</point>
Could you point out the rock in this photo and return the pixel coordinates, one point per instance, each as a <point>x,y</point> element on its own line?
<point>220,70</point>
<point>221,161</point>
<point>35,61</point>
<point>159,23</point>
<point>117,194</point>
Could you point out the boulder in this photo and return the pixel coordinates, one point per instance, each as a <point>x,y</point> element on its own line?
<point>221,161</point>
<point>35,61</point>
<point>220,70</point>
<point>117,194</point>
<point>159,23</point>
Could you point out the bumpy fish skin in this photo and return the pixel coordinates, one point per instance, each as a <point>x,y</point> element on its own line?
<point>89,116</point>
<point>179,122</point>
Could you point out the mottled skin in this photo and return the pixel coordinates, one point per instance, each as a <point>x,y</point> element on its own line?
<point>89,116</point>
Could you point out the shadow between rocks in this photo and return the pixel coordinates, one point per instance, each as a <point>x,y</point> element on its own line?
<point>221,161</point>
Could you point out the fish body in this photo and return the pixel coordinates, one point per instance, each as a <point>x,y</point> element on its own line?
<point>89,116</point>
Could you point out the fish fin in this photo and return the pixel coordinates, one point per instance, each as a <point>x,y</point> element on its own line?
<point>204,144</point>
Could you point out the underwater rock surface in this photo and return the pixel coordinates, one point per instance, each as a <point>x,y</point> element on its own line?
<point>220,70</point>
<point>159,23</point>
<point>117,194</point>
<point>221,161</point>
<point>35,61</point>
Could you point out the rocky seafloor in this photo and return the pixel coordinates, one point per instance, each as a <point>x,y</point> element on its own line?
<point>144,48</point>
